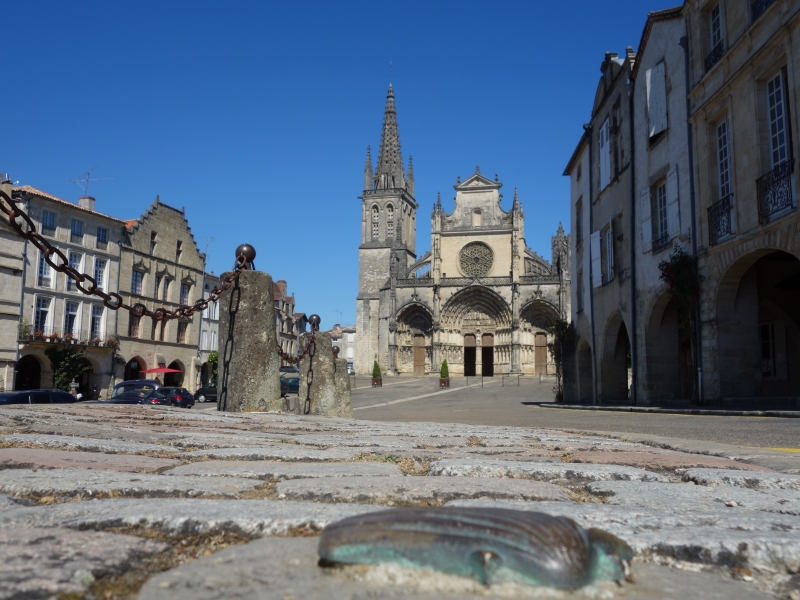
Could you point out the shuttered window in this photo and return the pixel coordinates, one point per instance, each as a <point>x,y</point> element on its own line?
<point>776,105</point>
<point>597,265</point>
<point>655,82</point>
<point>605,156</point>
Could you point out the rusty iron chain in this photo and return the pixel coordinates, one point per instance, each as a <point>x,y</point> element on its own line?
<point>293,360</point>
<point>10,208</point>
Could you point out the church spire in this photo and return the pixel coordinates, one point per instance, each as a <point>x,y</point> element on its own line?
<point>390,172</point>
<point>368,170</point>
<point>410,180</point>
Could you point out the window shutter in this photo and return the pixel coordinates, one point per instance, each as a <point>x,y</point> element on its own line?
<point>646,210</point>
<point>656,99</point>
<point>610,249</point>
<point>673,207</point>
<point>597,268</point>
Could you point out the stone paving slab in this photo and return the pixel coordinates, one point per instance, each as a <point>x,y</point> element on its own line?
<point>758,480</point>
<point>35,458</point>
<point>253,469</point>
<point>663,459</point>
<point>81,482</point>
<point>86,444</point>
<point>688,497</point>
<point>569,472</point>
<point>409,489</point>
<point>293,574</point>
<point>290,452</point>
<point>43,563</point>
<point>184,516</point>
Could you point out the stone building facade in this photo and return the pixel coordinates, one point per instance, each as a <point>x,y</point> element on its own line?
<point>209,330</point>
<point>346,338</point>
<point>744,70</point>
<point>289,324</point>
<point>161,266</point>
<point>714,138</point>
<point>54,312</point>
<point>600,172</point>
<point>11,270</point>
<point>479,298</point>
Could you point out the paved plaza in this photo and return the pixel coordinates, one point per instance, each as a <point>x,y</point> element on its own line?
<point>103,501</point>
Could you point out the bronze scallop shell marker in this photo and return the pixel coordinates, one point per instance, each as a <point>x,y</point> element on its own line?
<point>488,545</point>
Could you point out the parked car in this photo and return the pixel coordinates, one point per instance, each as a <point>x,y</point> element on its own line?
<point>141,396</point>
<point>37,397</point>
<point>135,385</point>
<point>180,397</point>
<point>350,369</point>
<point>289,384</point>
<point>207,393</point>
<point>289,369</point>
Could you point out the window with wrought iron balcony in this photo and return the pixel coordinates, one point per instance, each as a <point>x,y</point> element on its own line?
<point>720,214</point>
<point>758,8</point>
<point>775,189</point>
<point>715,37</point>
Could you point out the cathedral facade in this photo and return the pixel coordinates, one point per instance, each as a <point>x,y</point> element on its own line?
<point>479,298</point>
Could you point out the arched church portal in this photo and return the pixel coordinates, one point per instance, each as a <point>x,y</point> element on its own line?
<point>414,341</point>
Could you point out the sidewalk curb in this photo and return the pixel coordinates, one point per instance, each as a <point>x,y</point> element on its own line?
<point>784,414</point>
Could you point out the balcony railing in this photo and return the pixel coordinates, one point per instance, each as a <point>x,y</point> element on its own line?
<point>775,191</point>
<point>55,335</point>
<point>720,222</point>
<point>758,7</point>
<point>715,55</point>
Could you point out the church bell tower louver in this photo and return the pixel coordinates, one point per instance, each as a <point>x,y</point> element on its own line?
<point>388,238</point>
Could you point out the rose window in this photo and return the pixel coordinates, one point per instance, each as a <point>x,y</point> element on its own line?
<point>476,259</point>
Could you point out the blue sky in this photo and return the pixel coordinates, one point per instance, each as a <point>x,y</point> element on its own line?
<point>256,116</point>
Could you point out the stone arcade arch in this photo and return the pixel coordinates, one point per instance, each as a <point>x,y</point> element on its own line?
<point>536,317</point>
<point>175,379</point>
<point>758,326</point>
<point>476,313</point>
<point>615,364</point>
<point>667,373</point>
<point>134,367</point>
<point>29,373</point>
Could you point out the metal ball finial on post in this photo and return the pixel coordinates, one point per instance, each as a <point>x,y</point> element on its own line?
<point>314,320</point>
<point>249,254</point>
<point>335,352</point>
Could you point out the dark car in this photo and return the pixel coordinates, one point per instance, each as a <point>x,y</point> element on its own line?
<point>141,396</point>
<point>178,396</point>
<point>289,384</point>
<point>135,385</point>
<point>37,397</point>
<point>289,369</point>
<point>207,393</point>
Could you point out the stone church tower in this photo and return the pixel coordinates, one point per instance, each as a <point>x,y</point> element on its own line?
<point>479,298</point>
<point>388,236</point>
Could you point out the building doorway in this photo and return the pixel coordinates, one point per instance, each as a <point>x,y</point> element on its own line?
<point>29,374</point>
<point>469,355</point>
<point>419,355</point>
<point>487,355</point>
<point>540,353</point>
<point>84,387</point>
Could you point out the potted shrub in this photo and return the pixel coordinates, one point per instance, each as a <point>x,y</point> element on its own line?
<point>377,381</point>
<point>69,338</point>
<point>53,337</point>
<point>25,330</point>
<point>39,335</point>
<point>112,342</point>
<point>444,375</point>
<point>97,342</point>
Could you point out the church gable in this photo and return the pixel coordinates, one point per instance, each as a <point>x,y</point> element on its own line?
<point>477,206</point>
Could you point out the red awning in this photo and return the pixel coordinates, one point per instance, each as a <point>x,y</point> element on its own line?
<point>162,370</point>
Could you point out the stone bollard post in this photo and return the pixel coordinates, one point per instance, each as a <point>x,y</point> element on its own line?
<point>319,393</point>
<point>249,378</point>
<point>344,402</point>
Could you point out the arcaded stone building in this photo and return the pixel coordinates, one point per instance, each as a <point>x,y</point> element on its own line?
<point>161,266</point>
<point>479,298</point>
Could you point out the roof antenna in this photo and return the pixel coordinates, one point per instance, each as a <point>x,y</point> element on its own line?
<point>83,180</point>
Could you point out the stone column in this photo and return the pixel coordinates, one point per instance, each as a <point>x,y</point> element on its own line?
<point>248,358</point>
<point>516,366</point>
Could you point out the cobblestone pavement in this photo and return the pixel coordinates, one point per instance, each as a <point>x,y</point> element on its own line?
<point>152,502</point>
<point>502,402</point>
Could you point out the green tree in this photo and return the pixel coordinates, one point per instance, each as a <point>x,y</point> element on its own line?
<point>66,365</point>
<point>444,372</point>
<point>213,358</point>
<point>563,334</point>
<point>376,370</point>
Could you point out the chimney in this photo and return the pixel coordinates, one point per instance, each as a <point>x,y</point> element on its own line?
<point>282,285</point>
<point>86,202</point>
